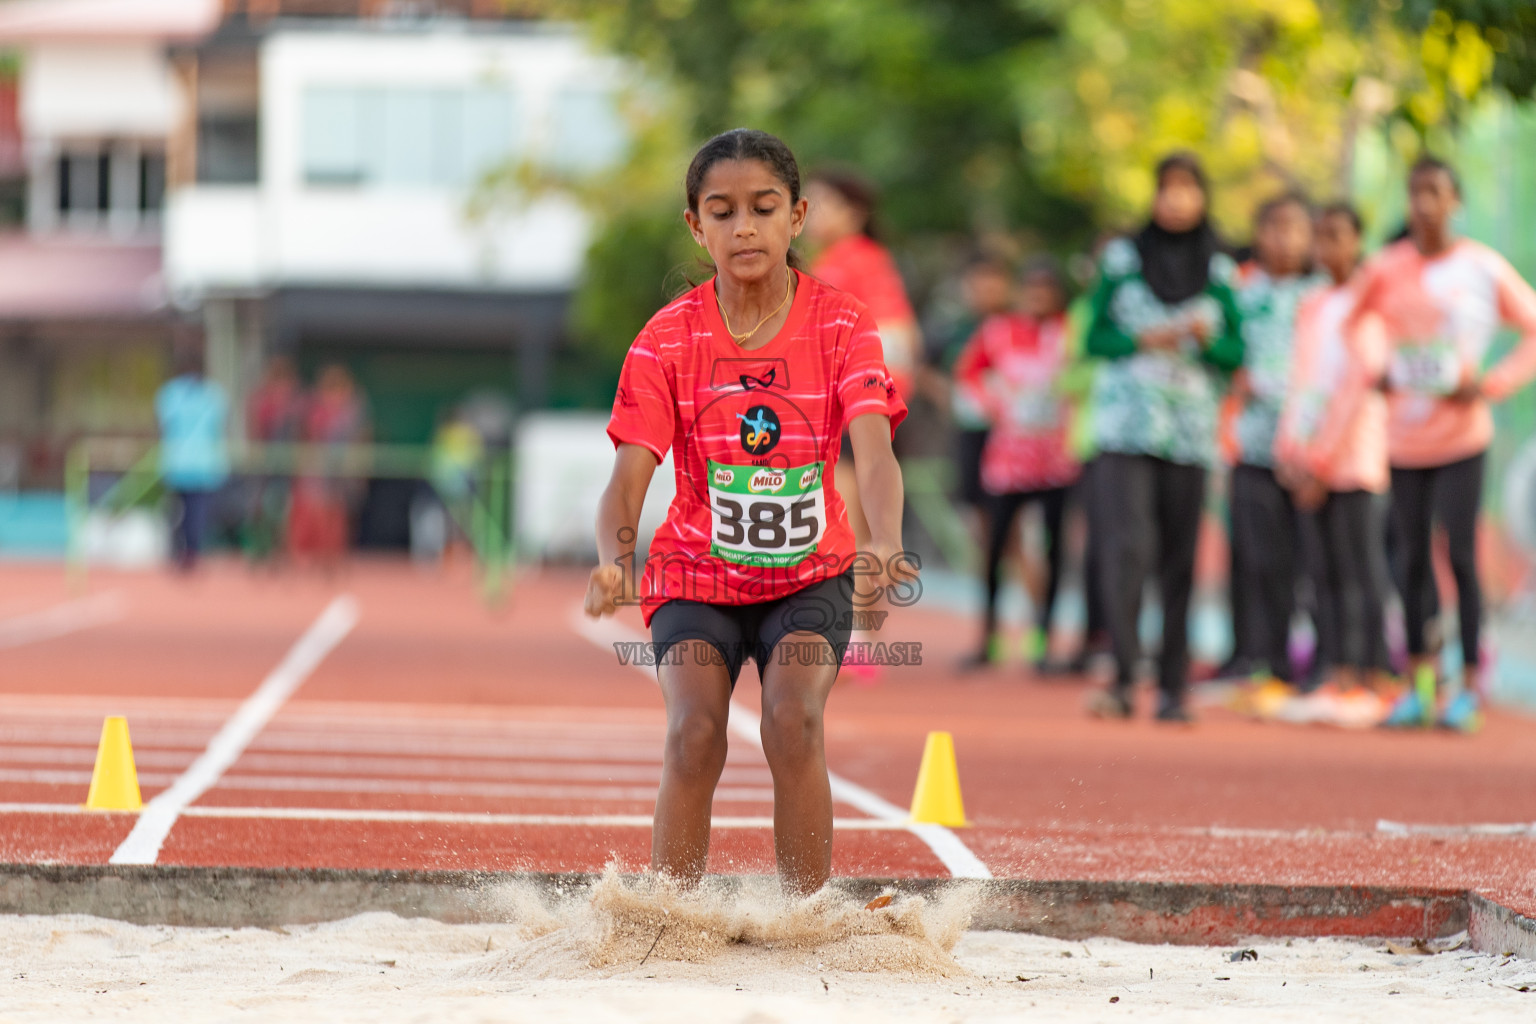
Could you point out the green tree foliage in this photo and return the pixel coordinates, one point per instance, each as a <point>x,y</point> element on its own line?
<point>924,96</point>
<point>1506,30</point>
<point>1021,119</point>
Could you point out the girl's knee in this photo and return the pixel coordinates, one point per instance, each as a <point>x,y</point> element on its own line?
<point>792,728</point>
<point>696,742</point>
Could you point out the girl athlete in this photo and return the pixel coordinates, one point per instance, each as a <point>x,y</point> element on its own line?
<point>1011,369</point>
<point>751,379</point>
<point>1442,299</point>
<point>1331,453</point>
<point>1264,535</point>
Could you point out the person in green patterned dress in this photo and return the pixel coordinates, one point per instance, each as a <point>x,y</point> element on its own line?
<point>1168,331</point>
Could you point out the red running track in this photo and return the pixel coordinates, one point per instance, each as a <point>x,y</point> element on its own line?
<point>441,734</point>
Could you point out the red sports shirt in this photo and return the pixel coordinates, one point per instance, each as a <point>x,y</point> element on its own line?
<point>754,435</point>
<point>1010,368</point>
<point>863,268</point>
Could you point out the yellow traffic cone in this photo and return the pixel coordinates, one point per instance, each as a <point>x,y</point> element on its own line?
<point>936,801</point>
<point>115,781</point>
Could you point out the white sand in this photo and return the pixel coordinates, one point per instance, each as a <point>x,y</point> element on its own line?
<point>730,961</point>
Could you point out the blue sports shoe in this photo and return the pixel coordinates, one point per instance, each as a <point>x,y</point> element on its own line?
<point>1464,713</point>
<point>1407,713</point>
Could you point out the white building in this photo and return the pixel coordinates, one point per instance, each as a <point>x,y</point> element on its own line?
<point>305,177</point>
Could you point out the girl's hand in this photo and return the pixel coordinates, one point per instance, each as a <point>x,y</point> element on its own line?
<point>1309,494</point>
<point>1199,328</point>
<point>1470,390</point>
<point>604,588</point>
<point>1161,339</point>
<point>897,569</point>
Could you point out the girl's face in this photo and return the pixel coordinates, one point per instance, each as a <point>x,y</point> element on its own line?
<point>1338,245</point>
<point>832,218</point>
<point>1179,205</point>
<point>987,289</point>
<point>1042,296</point>
<point>1432,200</point>
<point>1284,240</point>
<point>746,219</point>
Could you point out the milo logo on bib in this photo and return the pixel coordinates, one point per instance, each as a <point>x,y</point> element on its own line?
<point>769,481</point>
<point>765,516</point>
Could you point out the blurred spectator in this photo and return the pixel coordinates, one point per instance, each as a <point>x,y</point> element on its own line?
<point>1265,532</point>
<point>1010,370</point>
<point>194,454</point>
<point>841,227</point>
<point>329,483</point>
<point>274,416</point>
<point>1331,453</point>
<point>1166,325</point>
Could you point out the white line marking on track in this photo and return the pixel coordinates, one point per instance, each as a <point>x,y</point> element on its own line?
<point>948,847</point>
<point>1483,829</point>
<point>452,817</point>
<point>142,845</point>
<point>396,787</point>
<point>62,619</point>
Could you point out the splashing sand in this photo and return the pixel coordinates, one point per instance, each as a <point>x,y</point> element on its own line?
<point>629,923</point>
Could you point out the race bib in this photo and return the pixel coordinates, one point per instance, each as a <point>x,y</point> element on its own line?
<point>761,515</point>
<point>1433,368</point>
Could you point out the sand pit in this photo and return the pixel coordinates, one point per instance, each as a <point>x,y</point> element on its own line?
<point>631,952</point>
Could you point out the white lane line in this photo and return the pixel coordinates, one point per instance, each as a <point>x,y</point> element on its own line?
<point>395,787</point>
<point>328,765</point>
<point>62,619</point>
<point>338,744</point>
<point>948,847</point>
<point>451,817</point>
<point>142,845</point>
<point>1495,829</point>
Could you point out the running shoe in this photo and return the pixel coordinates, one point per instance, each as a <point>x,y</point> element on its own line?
<point>1320,706</point>
<point>976,661</point>
<point>1267,699</point>
<point>1408,712</point>
<point>858,666</point>
<point>1036,643</point>
<point>1358,708</point>
<point>1463,714</point>
<point>1114,702</point>
<point>1174,711</point>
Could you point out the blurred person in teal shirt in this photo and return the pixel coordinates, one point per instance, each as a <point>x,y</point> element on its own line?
<point>194,452</point>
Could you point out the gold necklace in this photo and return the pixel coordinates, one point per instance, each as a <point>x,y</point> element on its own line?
<point>789,281</point>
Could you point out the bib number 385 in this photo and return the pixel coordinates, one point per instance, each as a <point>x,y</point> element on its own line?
<point>761,515</point>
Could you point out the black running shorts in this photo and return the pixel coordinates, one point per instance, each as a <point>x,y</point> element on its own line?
<point>740,631</point>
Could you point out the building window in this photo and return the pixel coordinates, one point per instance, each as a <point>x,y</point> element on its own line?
<point>227,149</point>
<point>151,182</point>
<point>586,131</point>
<point>121,180</point>
<point>85,181</point>
<point>405,137</point>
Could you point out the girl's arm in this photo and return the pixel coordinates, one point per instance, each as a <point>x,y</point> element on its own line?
<point>880,490</point>
<point>1226,350</point>
<point>618,520</point>
<point>1367,346</point>
<point>1105,339</point>
<point>1517,307</point>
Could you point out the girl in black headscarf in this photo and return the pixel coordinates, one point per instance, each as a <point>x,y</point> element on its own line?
<point>1166,325</point>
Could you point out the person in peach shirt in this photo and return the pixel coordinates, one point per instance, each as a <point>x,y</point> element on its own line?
<point>1331,454</point>
<point>1441,299</point>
